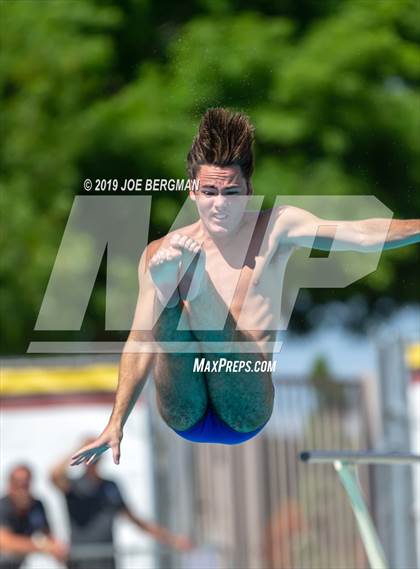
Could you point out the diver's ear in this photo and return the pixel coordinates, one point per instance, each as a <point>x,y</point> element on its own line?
<point>194,185</point>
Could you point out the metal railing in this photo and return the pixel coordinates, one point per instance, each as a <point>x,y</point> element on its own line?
<point>345,464</point>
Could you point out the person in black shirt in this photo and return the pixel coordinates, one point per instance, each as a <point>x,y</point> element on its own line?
<point>24,527</point>
<point>93,503</point>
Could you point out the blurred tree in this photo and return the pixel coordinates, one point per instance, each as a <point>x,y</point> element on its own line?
<point>53,65</point>
<point>111,89</point>
<point>329,392</point>
<point>333,116</point>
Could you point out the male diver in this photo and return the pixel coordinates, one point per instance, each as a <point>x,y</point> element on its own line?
<point>227,268</point>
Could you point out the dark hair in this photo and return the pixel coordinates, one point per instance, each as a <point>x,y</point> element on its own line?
<point>224,138</point>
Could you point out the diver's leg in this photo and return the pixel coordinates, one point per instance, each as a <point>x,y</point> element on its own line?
<point>242,399</point>
<point>181,395</point>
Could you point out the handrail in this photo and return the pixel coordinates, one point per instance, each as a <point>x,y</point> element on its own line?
<point>345,464</point>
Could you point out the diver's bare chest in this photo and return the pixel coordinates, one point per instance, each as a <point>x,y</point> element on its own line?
<point>224,277</point>
<point>233,284</point>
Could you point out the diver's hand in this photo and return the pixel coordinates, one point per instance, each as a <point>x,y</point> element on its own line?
<point>92,451</point>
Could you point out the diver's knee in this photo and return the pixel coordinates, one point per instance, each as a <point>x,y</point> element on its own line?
<point>181,416</point>
<point>248,418</point>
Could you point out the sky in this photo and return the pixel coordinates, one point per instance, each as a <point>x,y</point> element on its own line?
<point>347,354</point>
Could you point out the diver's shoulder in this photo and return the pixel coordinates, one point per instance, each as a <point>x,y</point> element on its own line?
<point>265,216</point>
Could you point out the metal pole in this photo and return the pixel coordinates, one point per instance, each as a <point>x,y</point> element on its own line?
<point>394,486</point>
<point>348,476</point>
<point>359,457</point>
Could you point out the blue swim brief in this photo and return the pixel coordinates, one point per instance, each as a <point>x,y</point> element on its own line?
<point>211,429</point>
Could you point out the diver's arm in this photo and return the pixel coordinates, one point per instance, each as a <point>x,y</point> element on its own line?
<point>134,370</point>
<point>135,365</point>
<point>305,229</point>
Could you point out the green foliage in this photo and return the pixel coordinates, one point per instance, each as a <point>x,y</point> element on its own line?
<point>329,392</point>
<point>115,89</point>
<point>53,65</point>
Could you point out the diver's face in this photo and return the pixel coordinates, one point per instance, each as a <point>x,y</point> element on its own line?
<point>221,198</point>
